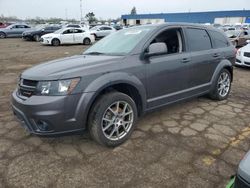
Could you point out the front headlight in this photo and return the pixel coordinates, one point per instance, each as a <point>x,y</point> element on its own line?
<point>239,52</point>
<point>60,87</point>
<point>47,37</point>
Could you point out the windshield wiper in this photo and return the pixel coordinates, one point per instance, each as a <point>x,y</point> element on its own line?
<point>94,53</point>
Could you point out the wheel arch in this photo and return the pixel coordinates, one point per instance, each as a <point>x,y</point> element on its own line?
<point>55,38</point>
<point>224,64</point>
<point>4,33</point>
<point>121,82</point>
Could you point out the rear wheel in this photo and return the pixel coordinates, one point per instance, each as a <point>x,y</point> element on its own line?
<point>2,35</point>
<point>222,87</point>
<point>86,41</point>
<point>55,42</point>
<point>37,38</point>
<point>112,119</point>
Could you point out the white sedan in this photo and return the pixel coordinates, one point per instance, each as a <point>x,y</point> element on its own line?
<point>243,55</point>
<point>68,36</point>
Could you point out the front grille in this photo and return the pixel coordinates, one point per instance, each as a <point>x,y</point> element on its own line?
<point>241,183</point>
<point>26,87</point>
<point>247,63</point>
<point>247,54</point>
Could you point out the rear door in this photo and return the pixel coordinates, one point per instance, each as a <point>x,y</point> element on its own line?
<point>78,35</point>
<point>203,58</point>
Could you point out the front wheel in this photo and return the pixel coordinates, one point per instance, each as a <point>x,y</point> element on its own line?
<point>112,119</point>
<point>222,87</point>
<point>37,38</point>
<point>55,42</point>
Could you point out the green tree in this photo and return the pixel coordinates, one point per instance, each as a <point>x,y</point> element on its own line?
<point>91,17</point>
<point>133,11</point>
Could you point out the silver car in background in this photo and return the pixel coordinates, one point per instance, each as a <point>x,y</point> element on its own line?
<point>101,31</point>
<point>14,30</point>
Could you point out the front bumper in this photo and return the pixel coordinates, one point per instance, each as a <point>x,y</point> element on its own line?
<point>45,41</point>
<point>52,115</point>
<point>242,61</point>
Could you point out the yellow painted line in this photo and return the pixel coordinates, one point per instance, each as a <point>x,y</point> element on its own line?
<point>234,141</point>
<point>208,160</point>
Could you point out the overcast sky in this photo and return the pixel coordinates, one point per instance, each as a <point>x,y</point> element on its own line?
<point>112,8</point>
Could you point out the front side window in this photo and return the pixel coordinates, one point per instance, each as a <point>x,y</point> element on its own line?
<point>198,39</point>
<point>173,40</point>
<point>219,39</point>
<point>68,31</point>
<point>121,42</point>
<point>107,28</point>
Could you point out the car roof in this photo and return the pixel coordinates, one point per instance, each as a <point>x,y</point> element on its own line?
<point>180,24</point>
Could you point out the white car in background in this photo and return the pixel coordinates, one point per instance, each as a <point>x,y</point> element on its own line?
<point>68,36</point>
<point>243,55</point>
<point>101,31</point>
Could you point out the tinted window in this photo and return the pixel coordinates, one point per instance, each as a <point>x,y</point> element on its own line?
<point>219,39</point>
<point>69,31</point>
<point>198,39</point>
<point>107,28</point>
<point>78,31</point>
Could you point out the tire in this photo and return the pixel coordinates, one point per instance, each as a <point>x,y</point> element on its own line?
<point>2,35</point>
<point>55,42</point>
<point>86,41</point>
<point>222,86</point>
<point>107,119</point>
<point>37,38</point>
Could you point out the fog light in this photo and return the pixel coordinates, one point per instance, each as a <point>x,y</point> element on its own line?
<point>43,126</point>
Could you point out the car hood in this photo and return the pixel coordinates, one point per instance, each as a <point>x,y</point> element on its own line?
<point>244,168</point>
<point>69,67</point>
<point>245,48</point>
<point>50,35</point>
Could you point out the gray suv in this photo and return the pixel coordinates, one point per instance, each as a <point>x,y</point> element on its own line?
<point>124,75</point>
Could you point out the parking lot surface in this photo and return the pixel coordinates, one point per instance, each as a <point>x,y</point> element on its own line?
<point>193,144</point>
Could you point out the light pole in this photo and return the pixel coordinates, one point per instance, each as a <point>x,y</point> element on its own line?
<point>81,10</point>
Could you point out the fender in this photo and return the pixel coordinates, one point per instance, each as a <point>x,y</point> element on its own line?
<point>102,82</point>
<point>224,63</point>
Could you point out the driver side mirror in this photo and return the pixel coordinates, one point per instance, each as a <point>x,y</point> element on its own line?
<point>248,41</point>
<point>98,30</point>
<point>157,48</point>
<point>43,29</point>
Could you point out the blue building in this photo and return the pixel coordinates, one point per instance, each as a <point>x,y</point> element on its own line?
<point>219,17</point>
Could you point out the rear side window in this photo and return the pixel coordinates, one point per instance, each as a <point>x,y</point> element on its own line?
<point>219,40</point>
<point>198,39</point>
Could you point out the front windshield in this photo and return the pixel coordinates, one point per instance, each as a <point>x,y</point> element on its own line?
<point>59,31</point>
<point>120,42</point>
<point>232,33</point>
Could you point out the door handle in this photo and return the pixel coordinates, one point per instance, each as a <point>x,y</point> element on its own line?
<point>185,60</point>
<point>216,55</point>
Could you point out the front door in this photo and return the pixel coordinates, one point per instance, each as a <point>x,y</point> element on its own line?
<point>168,74</point>
<point>67,36</point>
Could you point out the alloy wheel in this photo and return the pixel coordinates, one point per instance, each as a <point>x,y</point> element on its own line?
<point>117,120</point>
<point>224,84</point>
